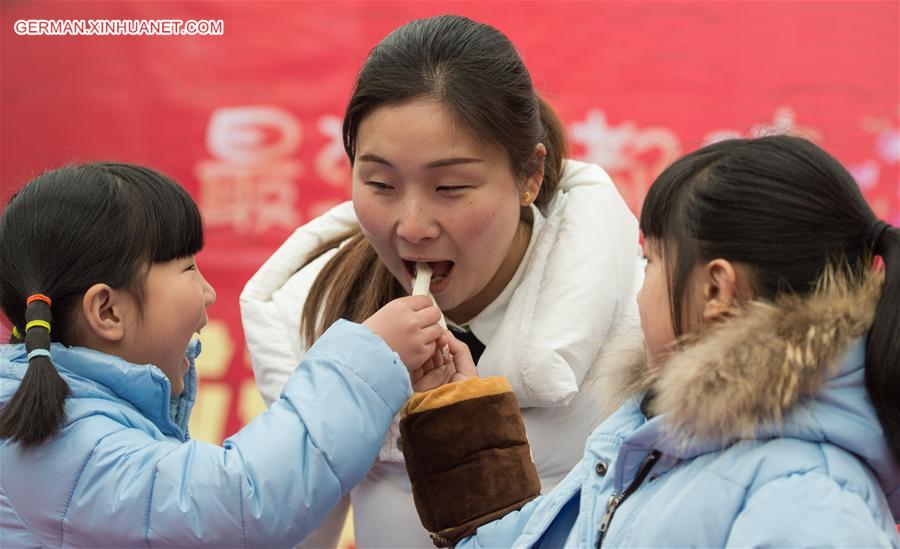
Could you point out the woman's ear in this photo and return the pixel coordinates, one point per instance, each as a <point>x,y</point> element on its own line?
<point>532,187</point>
<point>104,309</point>
<point>720,289</point>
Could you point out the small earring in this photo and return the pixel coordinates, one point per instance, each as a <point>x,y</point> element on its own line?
<point>526,198</point>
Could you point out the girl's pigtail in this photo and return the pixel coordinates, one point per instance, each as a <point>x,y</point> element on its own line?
<point>883,344</point>
<point>37,409</point>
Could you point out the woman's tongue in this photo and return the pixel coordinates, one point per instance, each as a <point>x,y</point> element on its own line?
<point>440,269</point>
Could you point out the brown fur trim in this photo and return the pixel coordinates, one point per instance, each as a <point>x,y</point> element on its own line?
<point>752,368</point>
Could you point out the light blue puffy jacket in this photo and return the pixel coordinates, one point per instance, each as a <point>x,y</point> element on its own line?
<point>764,436</point>
<point>821,484</point>
<point>123,472</point>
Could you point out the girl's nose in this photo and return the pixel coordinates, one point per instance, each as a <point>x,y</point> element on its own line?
<point>209,293</point>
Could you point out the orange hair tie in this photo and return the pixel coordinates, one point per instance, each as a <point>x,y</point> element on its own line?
<point>39,297</point>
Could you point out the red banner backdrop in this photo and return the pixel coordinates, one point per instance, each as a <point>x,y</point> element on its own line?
<point>249,120</point>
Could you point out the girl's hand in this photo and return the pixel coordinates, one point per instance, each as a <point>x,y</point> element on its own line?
<point>409,325</point>
<point>463,364</point>
<point>435,371</point>
<point>443,368</point>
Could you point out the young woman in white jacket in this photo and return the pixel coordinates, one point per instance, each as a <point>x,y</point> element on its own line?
<point>457,162</point>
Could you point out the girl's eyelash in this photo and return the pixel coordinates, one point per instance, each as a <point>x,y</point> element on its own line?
<point>453,188</point>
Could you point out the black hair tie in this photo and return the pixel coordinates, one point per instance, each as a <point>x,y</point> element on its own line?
<point>876,232</point>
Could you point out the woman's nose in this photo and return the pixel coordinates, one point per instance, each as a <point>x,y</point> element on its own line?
<point>416,223</point>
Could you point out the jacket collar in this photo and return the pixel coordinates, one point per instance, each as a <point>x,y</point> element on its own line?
<point>93,374</point>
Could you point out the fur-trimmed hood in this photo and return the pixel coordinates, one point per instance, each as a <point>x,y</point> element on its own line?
<point>752,369</point>
<point>760,433</point>
<point>791,368</point>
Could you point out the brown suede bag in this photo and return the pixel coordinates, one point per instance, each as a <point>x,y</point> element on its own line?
<point>467,456</point>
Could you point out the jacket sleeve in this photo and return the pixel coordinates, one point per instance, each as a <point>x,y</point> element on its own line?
<point>810,510</point>
<point>272,300</point>
<point>467,456</point>
<point>271,483</point>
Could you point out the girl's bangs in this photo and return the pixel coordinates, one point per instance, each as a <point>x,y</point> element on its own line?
<point>166,221</point>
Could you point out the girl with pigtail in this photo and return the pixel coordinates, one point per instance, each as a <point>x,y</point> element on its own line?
<point>766,412</point>
<point>99,279</point>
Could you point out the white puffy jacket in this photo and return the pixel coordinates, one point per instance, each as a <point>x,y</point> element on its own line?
<point>573,309</point>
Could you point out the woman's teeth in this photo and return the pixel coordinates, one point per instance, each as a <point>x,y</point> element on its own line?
<point>424,272</point>
<point>443,269</point>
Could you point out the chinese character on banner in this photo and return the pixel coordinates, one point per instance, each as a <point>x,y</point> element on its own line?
<point>332,165</point>
<point>250,186</point>
<point>880,164</point>
<point>632,156</point>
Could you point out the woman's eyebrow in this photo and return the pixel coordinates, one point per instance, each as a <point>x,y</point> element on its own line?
<point>369,157</point>
<point>451,162</point>
<point>443,163</point>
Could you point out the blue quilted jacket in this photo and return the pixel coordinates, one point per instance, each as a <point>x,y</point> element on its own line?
<point>124,472</point>
<point>762,434</point>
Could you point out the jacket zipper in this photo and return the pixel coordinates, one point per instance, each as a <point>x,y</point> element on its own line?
<point>616,499</point>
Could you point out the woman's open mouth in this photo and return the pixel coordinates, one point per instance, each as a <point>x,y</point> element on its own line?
<point>441,270</point>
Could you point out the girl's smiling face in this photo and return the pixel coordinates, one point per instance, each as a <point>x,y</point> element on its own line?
<point>173,308</point>
<point>426,189</point>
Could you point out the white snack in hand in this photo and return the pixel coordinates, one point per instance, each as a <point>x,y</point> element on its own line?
<point>421,285</point>
<point>423,279</point>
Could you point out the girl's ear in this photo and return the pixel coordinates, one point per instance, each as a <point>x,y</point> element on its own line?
<point>533,184</point>
<point>103,309</point>
<point>720,289</point>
